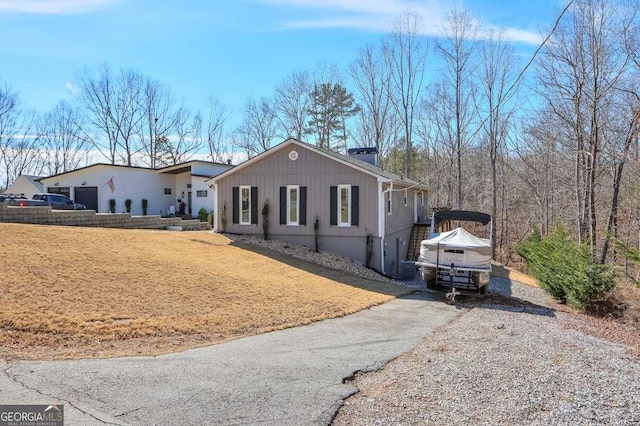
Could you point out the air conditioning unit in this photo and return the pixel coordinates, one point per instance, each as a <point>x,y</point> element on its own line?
<point>407,270</point>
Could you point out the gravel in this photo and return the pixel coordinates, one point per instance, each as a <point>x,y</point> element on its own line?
<point>514,357</point>
<point>508,360</point>
<point>324,258</point>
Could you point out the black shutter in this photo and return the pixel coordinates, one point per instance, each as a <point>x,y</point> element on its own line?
<point>355,205</point>
<point>333,206</point>
<point>254,205</point>
<point>236,197</point>
<point>302,220</point>
<point>283,205</point>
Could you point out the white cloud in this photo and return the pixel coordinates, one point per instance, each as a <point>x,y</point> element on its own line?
<point>53,7</point>
<point>362,22</point>
<point>385,7</point>
<point>522,36</point>
<point>72,88</point>
<point>379,15</point>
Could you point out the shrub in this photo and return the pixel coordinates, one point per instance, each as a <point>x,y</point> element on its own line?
<point>127,205</point>
<point>145,204</point>
<point>316,234</point>
<point>265,220</point>
<point>112,205</point>
<point>564,268</point>
<point>369,249</point>
<point>203,214</point>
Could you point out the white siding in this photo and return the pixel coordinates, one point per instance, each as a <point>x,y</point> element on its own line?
<point>22,185</point>
<point>198,184</point>
<point>130,183</point>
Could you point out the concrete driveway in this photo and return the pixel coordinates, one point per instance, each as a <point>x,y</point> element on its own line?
<point>293,376</point>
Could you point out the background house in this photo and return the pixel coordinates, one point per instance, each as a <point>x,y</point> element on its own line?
<point>95,185</point>
<point>350,198</point>
<point>26,185</point>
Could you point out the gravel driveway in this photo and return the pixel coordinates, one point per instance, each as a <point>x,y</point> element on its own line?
<point>510,360</point>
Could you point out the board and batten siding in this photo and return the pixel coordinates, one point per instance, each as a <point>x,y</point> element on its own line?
<point>399,224</point>
<point>318,174</point>
<point>403,217</point>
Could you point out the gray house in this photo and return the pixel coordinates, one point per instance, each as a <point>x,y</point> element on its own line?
<point>349,199</point>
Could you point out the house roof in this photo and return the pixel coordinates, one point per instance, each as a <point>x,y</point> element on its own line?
<point>368,166</point>
<point>363,166</point>
<point>34,181</point>
<point>95,165</point>
<point>186,166</point>
<point>175,169</point>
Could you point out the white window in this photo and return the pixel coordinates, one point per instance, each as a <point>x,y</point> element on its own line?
<point>389,202</point>
<point>405,198</point>
<point>293,205</point>
<point>421,198</point>
<point>245,205</point>
<point>344,205</point>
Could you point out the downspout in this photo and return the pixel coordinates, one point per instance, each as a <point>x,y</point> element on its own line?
<point>216,214</point>
<point>382,222</point>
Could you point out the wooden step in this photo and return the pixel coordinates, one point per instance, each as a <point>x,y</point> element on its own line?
<point>419,232</point>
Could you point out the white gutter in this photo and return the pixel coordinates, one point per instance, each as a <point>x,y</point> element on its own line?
<point>382,220</point>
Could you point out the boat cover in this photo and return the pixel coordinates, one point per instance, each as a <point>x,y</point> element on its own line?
<point>458,238</point>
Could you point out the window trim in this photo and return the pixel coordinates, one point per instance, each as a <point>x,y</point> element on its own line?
<point>241,188</point>
<point>349,205</point>
<point>289,221</point>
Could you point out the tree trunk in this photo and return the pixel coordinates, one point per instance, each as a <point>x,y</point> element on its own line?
<point>612,222</point>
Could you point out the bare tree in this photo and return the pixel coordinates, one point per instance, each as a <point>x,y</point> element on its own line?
<point>8,120</point>
<point>291,104</point>
<point>405,52</point>
<point>217,116</point>
<point>19,140</point>
<point>456,48</point>
<point>632,132</point>
<point>185,139</point>
<point>628,113</point>
<point>158,119</point>
<point>257,129</point>
<point>373,81</point>
<point>63,147</point>
<point>111,103</point>
<point>20,151</point>
<point>497,75</point>
<point>578,75</point>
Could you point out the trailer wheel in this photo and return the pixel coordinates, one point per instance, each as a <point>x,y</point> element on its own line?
<point>429,284</point>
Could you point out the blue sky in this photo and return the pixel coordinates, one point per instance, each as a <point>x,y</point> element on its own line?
<point>231,49</point>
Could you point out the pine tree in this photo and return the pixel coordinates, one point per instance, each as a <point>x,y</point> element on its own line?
<point>331,106</point>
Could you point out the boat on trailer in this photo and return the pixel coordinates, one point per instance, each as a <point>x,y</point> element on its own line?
<point>456,260</point>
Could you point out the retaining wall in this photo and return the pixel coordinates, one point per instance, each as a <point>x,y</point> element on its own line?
<point>47,216</point>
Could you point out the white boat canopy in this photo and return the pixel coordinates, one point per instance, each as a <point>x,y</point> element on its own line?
<point>458,238</point>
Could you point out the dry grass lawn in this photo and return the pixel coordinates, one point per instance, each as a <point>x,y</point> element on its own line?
<point>87,292</point>
<point>499,270</point>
